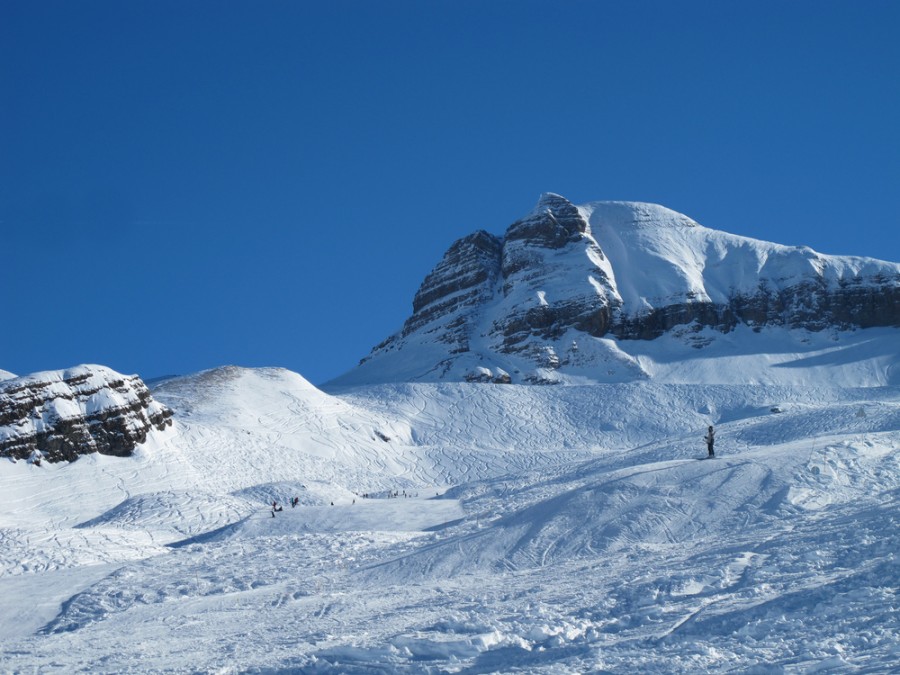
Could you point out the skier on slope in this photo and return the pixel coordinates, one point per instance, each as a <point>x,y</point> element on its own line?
<point>710,439</point>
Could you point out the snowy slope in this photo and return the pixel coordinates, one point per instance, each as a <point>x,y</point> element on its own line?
<point>767,356</point>
<point>534,529</point>
<point>656,255</point>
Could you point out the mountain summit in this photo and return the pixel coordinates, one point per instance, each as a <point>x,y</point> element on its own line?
<point>576,291</point>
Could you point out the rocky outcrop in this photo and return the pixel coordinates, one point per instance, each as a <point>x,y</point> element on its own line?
<point>809,306</point>
<point>617,271</point>
<point>60,415</point>
<point>446,304</point>
<point>552,243</point>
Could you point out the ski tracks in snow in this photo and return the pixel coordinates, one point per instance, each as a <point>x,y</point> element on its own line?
<point>586,537</point>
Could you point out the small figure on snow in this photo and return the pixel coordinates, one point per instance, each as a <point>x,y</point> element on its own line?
<point>710,441</point>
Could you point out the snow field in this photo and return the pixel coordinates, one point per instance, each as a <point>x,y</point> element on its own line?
<point>580,533</point>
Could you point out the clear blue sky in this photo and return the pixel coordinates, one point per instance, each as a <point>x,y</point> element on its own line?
<point>191,184</point>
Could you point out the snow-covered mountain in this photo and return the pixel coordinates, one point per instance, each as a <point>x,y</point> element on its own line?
<point>572,293</point>
<point>416,518</point>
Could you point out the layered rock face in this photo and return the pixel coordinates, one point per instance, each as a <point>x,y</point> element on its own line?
<point>464,279</point>
<point>617,271</point>
<point>60,415</point>
<point>555,277</point>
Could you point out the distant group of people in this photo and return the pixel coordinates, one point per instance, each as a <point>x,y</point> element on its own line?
<point>276,507</point>
<point>390,495</point>
<point>393,494</point>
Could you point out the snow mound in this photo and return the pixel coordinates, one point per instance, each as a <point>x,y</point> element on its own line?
<point>173,512</point>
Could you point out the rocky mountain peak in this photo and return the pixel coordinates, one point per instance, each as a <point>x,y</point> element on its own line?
<point>569,291</point>
<point>553,223</point>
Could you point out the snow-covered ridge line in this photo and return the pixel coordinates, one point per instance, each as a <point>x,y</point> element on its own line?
<point>606,274</point>
<point>59,415</point>
<point>666,254</point>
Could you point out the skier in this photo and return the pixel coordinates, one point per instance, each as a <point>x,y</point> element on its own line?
<point>710,440</point>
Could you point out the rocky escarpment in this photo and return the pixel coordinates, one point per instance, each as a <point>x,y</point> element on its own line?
<point>60,415</point>
<point>465,278</point>
<point>555,277</point>
<point>808,305</point>
<point>566,275</point>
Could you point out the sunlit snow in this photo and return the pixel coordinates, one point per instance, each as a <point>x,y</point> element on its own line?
<point>449,527</point>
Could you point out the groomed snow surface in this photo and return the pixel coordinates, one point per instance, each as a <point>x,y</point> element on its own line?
<point>468,528</point>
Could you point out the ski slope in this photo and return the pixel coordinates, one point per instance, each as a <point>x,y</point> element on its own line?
<point>534,529</point>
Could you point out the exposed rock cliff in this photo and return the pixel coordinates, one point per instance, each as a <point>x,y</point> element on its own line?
<point>573,285</point>
<point>59,415</point>
<point>464,279</point>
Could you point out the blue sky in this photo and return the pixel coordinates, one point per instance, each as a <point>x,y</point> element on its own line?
<point>191,184</point>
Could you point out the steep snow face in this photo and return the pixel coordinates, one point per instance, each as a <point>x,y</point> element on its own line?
<point>652,253</point>
<point>6,375</point>
<point>665,257</point>
<point>570,292</point>
<point>62,414</point>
